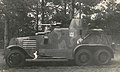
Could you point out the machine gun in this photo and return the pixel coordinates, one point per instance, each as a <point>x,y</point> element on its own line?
<point>47,28</point>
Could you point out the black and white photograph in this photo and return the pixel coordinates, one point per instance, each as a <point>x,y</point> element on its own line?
<point>59,35</point>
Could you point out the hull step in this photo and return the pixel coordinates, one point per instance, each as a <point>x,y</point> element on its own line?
<point>47,59</point>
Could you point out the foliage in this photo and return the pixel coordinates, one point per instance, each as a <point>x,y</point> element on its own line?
<point>106,16</point>
<point>21,15</point>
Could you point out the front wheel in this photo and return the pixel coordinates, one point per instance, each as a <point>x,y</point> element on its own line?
<point>15,58</point>
<point>102,56</point>
<point>83,57</point>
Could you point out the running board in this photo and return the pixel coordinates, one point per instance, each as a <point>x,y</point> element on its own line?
<point>49,59</point>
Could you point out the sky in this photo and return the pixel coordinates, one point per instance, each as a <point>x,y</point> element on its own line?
<point>118,1</point>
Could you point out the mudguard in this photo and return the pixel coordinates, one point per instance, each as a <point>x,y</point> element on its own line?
<point>94,46</point>
<point>26,51</point>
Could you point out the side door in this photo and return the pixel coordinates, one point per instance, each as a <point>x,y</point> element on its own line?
<point>57,45</point>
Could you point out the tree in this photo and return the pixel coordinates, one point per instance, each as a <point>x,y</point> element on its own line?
<point>21,16</point>
<point>106,16</point>
<point>15,15</point>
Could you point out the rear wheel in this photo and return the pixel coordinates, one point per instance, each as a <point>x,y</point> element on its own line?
<point>15,58</point>
<point>83,57</point>
<point>102,56</point>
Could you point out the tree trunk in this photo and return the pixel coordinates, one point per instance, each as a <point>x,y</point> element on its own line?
<point>72,9</point>
<point>65,8</point>
<point>43,14</point>
<point>37,17</point>
<point>6,34</point>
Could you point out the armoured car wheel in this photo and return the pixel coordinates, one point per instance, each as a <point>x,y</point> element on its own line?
<point>102,56</point>
<point>83,57</point>
<point>15,58</point>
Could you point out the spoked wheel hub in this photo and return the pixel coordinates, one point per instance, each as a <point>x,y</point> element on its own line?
<point>102,56</point>
<point>15,58</point>
<point>83,57</point>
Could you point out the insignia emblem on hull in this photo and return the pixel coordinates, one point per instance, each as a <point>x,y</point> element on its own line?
<point>72,34</point>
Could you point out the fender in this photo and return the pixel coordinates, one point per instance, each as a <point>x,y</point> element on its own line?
<point>10,46</point>
<point>93,45</point>
<point>26,51</point>
<point>7,49</point>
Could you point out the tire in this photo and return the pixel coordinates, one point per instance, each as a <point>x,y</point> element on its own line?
<point>15,58</point>
<point>83,57</point>
<point>102,56</point>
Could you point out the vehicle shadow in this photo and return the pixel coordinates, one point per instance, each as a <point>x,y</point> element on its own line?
<point>35,65</point>
<point>51,63</point>
<point>62,64</point>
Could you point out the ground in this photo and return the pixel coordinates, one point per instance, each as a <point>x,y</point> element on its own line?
<point>114,66</point>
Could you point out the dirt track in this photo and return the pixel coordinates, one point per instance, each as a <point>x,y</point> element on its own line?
<point>114,66</point>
